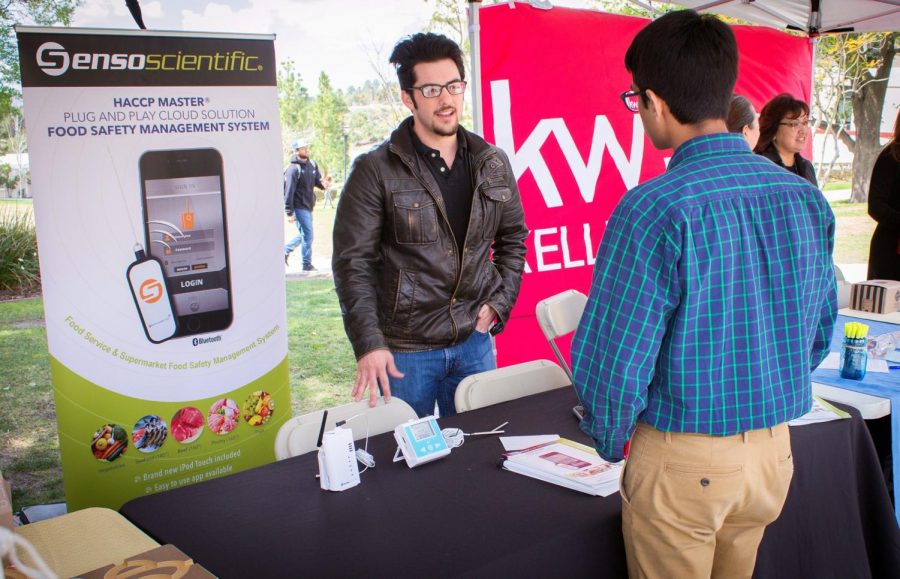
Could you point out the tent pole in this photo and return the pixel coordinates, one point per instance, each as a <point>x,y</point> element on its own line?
<point>475,65</point>
<point>814,40</point>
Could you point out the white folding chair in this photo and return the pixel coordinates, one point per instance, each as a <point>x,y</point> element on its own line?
<point>843,288</point>
<point>559,315</point>
<point>509,383</point>
<point>838,273</point>
<point>299,434</point>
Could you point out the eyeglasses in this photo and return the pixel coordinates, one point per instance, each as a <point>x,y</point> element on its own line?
<point>796,124</point>
<point>431,91</point>
<point>630,98</point>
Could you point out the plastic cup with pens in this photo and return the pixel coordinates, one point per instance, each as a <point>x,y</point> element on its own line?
<point>854,353</point>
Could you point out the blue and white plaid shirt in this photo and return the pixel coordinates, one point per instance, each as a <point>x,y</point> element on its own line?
<point>713,298</point>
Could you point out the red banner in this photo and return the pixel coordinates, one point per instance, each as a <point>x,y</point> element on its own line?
<point>551,81</point>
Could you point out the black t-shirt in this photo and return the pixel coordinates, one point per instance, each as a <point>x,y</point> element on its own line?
<point>455,183</point>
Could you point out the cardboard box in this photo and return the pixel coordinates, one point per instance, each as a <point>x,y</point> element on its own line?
<point>6,514</point>
<point>6,517</point>
<point>879,296</point>
<point>164,561</point>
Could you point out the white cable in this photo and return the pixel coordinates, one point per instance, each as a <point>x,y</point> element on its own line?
<point>454,437</point>
<point>9,541</point>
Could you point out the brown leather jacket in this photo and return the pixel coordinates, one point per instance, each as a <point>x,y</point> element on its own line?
<point>396,265</point>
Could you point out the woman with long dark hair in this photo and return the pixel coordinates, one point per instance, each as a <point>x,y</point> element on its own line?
<point>884,207</point>
<point>783,133</point>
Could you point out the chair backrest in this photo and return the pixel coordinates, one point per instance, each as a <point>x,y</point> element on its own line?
<point>838,273</point>
<point>559,315</point>
<point>843,288</point>
<point>509,383</point>
<point>299,434</point>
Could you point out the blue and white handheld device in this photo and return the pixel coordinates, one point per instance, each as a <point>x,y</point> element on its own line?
<point>420,441</point>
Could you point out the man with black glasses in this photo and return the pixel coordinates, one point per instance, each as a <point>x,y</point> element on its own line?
<point>713,299</point>
<point>429,241</point>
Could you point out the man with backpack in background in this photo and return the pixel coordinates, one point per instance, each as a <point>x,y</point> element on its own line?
<point>300,176</point>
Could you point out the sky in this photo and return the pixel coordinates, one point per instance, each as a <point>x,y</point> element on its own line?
<point>341,37</point>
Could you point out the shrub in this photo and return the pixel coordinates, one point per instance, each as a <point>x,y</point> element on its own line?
<point>18,250</point>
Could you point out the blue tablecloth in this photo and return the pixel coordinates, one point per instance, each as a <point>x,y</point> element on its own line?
<point>875,383</point>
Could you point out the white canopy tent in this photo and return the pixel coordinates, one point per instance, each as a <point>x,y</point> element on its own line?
<point>813,17</point>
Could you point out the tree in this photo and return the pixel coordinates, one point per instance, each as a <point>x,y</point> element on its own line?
<point>449,18</point>
<point>15,141</point>
<point>13,12</point>
<point>874,69</point>
<point>851,77</point>
<point>293,100</point>
<point>327,114</point>
<point>9,181</point>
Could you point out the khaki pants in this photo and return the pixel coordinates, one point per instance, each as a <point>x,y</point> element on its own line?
<point>696,506</point>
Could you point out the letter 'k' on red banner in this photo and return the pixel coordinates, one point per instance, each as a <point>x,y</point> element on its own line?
<point>550,82</point>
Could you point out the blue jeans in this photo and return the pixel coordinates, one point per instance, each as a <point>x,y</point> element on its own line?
<point>434,375</point>
<point>303,221</point>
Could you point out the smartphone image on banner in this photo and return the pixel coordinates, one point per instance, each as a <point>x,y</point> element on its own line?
<point>183,198</point>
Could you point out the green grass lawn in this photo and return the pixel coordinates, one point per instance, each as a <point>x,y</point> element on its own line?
<point>18,205</point>
<point>854,232</point>
<point>28,436</point>
<point>322,366</point>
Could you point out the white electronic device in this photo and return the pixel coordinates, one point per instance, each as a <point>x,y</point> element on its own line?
<point>151,296</point>
<point>337,460</point>
<point>420,441</point>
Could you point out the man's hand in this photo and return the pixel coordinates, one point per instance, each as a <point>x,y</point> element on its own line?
<point>372,370</point>
<point>290,218</point>
<point>486,318</point>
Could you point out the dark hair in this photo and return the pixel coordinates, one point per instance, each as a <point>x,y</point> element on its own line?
<point>424,47</point>
<point>690,60</point>
<point>894,143</point>
<point>784,105</point>
<point>740,114</point>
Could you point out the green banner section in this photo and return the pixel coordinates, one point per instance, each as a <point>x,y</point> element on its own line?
<point>115,447</point>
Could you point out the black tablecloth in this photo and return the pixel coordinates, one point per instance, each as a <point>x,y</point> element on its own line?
<point>463,516</point>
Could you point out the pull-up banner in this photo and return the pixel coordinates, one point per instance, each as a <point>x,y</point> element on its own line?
<point>551,81</point>
<point>154,157</point>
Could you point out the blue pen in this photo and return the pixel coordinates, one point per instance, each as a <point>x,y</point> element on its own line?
<point>893,367</point>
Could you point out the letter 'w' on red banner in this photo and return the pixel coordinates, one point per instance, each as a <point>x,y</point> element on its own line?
<point>551,82</point>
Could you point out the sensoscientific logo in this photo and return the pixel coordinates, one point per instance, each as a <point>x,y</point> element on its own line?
<point>54,60</point>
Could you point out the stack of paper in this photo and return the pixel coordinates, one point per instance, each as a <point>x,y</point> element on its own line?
<point>566,463</point>
<point>821,411</point>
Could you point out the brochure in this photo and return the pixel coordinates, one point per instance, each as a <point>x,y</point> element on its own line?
<point>566,463</point>
<point>821,411</point>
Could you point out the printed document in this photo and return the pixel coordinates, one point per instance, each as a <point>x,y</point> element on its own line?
<point>566,463</point>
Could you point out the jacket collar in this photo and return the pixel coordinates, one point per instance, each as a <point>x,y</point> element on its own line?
<point>773,155</point>
<point>401,142</point>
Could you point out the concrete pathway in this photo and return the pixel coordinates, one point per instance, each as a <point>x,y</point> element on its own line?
<point>294,269</point>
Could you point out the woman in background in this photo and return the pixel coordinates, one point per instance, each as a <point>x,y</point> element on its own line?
<point>884,207</point>
<point>742,119</point>
<point>783,133</point>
